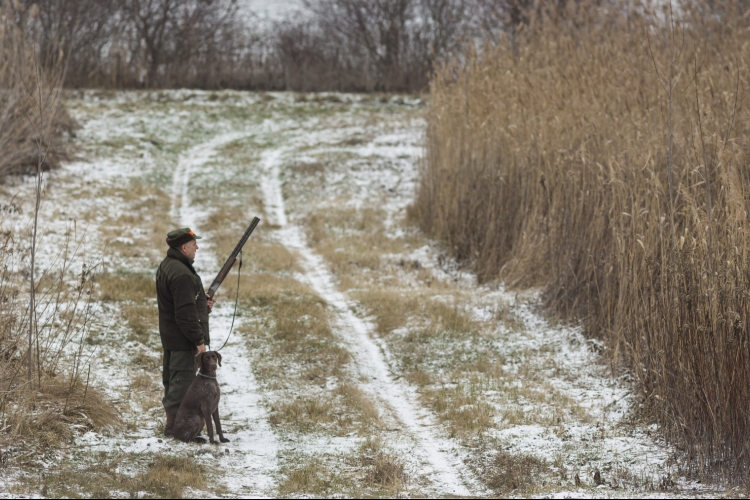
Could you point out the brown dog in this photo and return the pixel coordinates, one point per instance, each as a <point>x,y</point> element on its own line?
<point>201,402</point>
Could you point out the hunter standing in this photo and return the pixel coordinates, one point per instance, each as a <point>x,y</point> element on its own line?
<point>183,319</point>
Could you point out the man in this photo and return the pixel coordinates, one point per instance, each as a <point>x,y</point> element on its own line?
<point>183,319</point>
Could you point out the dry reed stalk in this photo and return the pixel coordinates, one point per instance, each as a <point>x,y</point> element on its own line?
<point>562,159</point>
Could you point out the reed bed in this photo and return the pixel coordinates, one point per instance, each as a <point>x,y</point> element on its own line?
<point>603,154</point>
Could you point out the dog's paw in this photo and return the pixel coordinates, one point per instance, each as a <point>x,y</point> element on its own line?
<point>224,440</point>
<point>214,442</point>
<point>199,440</point>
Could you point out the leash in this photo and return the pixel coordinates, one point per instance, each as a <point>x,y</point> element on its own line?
<point>236,301</point>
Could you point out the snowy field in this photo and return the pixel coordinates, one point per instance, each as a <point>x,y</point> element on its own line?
<point>364,361</point>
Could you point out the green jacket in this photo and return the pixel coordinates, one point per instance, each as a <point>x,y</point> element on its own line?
<point>183,309</point>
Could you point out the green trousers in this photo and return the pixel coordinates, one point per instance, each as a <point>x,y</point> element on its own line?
<point>178,372</point>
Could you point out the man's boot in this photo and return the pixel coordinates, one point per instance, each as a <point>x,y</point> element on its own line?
<point>169,426</point>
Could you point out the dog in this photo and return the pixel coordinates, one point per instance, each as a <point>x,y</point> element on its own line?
<point>201,402</point>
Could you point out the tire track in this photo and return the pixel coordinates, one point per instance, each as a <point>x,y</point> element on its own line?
<point>251,464</point>
<point>445,469</point>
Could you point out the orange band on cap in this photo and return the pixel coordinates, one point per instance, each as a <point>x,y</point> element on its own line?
<point>191,233</point>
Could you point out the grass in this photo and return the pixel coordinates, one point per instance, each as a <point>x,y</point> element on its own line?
<point>391,309</point>
<point>312,477</point>
<point>353,241</point>
<point>383,470</point>
<point>142,320</point>
<point>52,414</point>
<point>163,476</point>
<point>133,287</point>
<point>371,470</point>
<point>342,411</point>
<point>463,410</point>
<point>518,474</point>
<point>304,413</point>
<point>134,293</point>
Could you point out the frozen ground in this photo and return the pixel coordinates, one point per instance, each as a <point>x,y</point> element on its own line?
<point>363,361</point>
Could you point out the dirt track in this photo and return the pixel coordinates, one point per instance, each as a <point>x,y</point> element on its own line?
<point>364,362</point>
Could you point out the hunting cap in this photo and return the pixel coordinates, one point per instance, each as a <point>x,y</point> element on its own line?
<point>179,237</point>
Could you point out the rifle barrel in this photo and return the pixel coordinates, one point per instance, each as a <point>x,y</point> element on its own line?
<point>243,240</point>
<point>232,258</point>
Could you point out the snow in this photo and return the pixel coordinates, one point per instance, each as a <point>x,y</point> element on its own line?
<point>446,470</point>
<point>252,466</point>
<point>381,170</point>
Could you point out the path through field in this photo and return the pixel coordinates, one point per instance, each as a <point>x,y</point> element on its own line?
<point>364,361</point>
<point>446,472</point>
<point>253,465</point>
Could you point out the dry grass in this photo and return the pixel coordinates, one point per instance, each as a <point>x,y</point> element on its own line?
<point>360,405</point>
<point>391,308</point>
<point>371,471</point>
<point>353,242</point>
<point>463,409</point>
<point>126,287</point>
<point>259,254</point>
<point>394,308</point>
<point>572,160</point>
<point>312,477</point>
<point>53,413</point>
<point>52,398</point>
<point>136,294</point>
<point>142,320</point>
<point>384,471</point>
<point>165,476</point>
<point>346,409</point>
<point>294,327</point>
<point>146,391</point>
<point>168,476</point>
<point>304,413</point>
<point>519,474</point>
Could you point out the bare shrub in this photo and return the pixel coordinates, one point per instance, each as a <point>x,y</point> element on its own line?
<point>24,87</point>
<point>60,397</point>
<point>344,45</point>
<point>549,163</point>
<point>85,27</point>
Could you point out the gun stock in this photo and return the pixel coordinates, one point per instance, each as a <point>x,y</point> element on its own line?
<point>231,260</point>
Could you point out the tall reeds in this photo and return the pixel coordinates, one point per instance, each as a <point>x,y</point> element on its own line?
<point>604,154</point>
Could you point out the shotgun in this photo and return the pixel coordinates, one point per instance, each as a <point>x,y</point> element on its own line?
<point>231,260</point>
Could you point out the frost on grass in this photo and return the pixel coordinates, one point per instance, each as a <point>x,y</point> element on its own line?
<point>335,277</point>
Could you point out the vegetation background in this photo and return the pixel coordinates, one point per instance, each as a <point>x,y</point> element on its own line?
<point>598,150</point>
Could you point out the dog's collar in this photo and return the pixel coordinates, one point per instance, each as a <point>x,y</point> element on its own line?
<point>207,376</point>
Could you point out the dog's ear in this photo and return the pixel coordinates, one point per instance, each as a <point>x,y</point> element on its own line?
<point>199,360</point>
<point>218,358</point>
